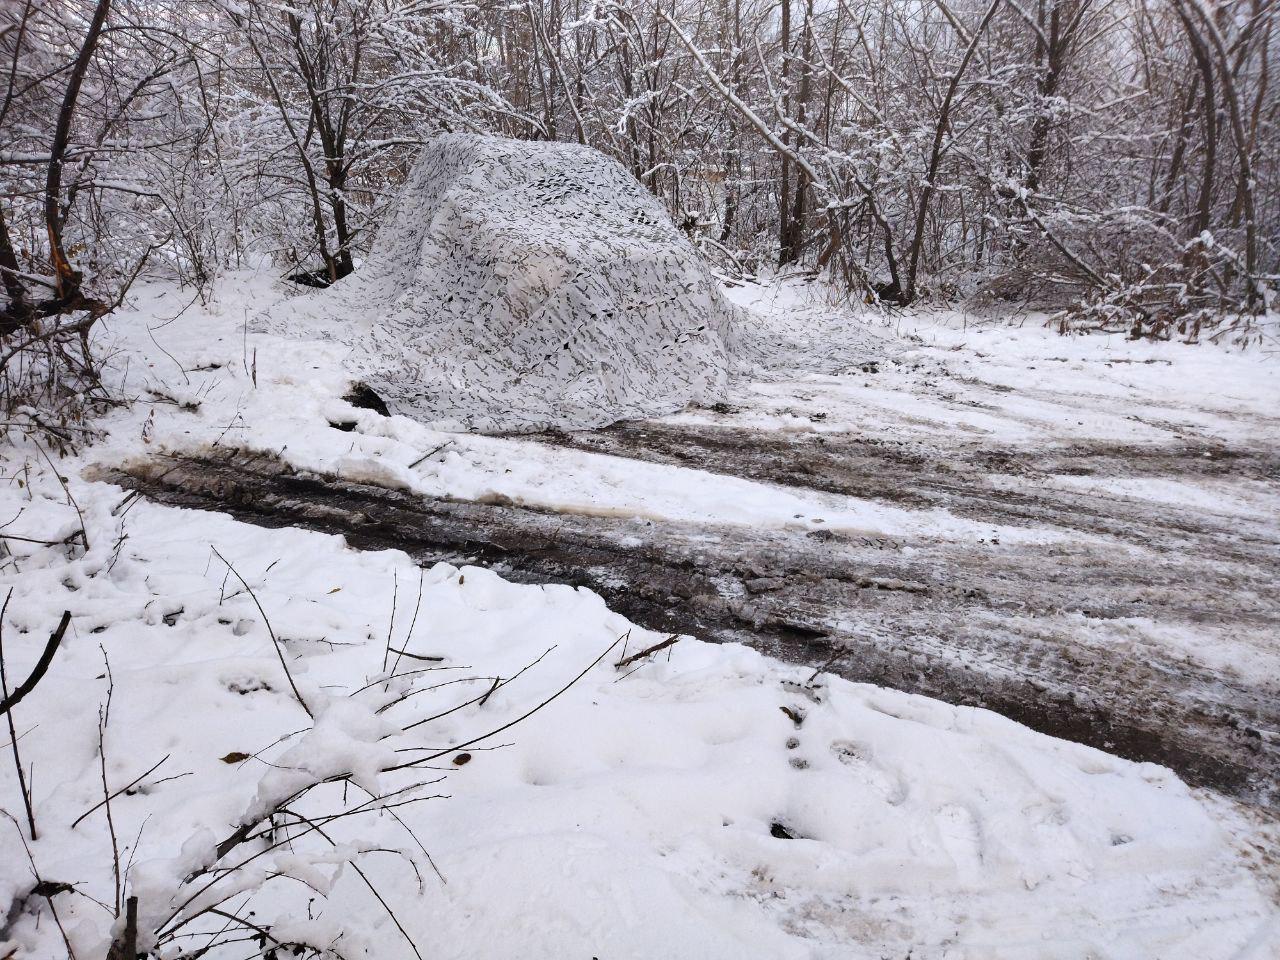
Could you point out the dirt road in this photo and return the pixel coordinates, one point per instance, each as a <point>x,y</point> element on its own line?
<point>1149,629</point>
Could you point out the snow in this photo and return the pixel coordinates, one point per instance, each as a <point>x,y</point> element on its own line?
<point>480,468</point>
<point>525,285</point>
<point>297,395</point>
<point>635,814</point>
<point>631,818</point>
<point>1237,498</point>
<point>934,373</point>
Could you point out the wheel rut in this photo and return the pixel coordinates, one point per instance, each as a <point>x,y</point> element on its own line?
<point>1042,634</point>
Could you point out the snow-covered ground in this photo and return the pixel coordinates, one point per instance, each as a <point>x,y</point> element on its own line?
<point>703,801</point>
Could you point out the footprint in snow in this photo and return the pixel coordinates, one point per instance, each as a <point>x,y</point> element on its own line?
<point>860,759</point>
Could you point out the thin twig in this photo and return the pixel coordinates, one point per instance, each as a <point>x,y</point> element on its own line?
<point>513,677</point>
<point>506,726</point>
<point>427,456</point>
<point>372,889</point>
<point>13,731</point>
<point>831,662</point>
<point>104,715</point>
<point>395,816</point>
<point>395,595</point>
<point>248,831</point>
<point>274,639</point>
<point>49,890</point>
<point>128,786</point>
<point>415,656</point>
<point>412,623</point>
<point>662,645</point>
<point>84,529</point>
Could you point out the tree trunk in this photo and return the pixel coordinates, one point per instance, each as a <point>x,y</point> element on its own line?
<point>935,156</point>
<point>799,211</point>
<point>67,278</point>
<point>11,319</point>
<point>784,173</point>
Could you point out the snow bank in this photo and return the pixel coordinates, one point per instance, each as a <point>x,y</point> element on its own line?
<point>527,285</point>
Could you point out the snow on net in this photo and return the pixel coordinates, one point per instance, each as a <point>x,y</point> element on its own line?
<point>521,286</point>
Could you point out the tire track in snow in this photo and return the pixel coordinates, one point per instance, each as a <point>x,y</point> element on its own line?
<point>1064,638</point>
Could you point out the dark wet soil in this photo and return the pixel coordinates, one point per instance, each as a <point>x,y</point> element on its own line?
<point>1056,636</point>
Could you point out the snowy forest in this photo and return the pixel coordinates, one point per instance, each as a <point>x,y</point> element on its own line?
<point>709,479</point>
<point>1115,157</point>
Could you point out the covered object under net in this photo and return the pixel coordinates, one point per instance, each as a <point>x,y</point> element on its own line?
<point>523,286</point>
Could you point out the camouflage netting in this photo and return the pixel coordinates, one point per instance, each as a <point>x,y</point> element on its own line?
<point>522,286</point>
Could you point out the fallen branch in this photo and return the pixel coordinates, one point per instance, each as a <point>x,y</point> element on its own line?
<point>41,667</point>
<point>662,645</point>
<point>74,535</point>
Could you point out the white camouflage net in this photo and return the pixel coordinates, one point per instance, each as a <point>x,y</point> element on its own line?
<point>522,286</point>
